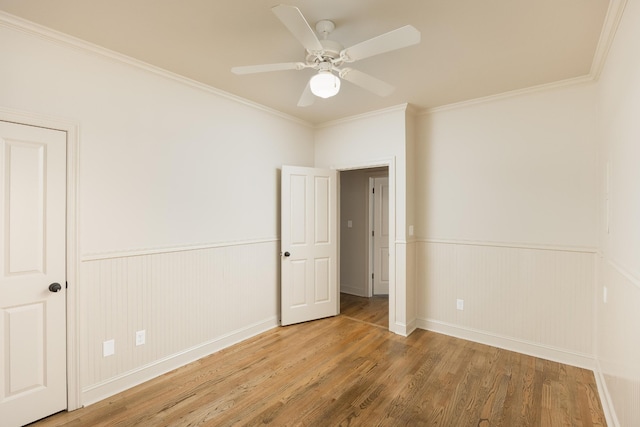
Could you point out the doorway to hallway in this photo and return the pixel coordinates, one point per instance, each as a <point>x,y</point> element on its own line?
<point>362,258</point>
<point>373,310</point>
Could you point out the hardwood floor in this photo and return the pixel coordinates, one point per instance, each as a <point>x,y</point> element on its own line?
<point>347,371</point>
<point>374,310</point>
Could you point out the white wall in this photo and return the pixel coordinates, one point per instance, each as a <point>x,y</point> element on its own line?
<point>377,139</point>
<point>617,338</point>
<point>150,144</point>
<point>506,221</point>
<point>165,166</point>
<point>412,167</point>
<point>517,170</point>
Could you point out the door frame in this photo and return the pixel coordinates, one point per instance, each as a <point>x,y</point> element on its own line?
<point>72,264</point>
<point>390,163</point>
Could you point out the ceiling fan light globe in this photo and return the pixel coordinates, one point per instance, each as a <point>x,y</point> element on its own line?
<point>324,84</point>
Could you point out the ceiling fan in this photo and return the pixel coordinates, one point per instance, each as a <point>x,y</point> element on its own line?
<point>327,57</point>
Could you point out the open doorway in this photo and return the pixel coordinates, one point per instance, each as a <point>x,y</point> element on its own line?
<point>364,253</point>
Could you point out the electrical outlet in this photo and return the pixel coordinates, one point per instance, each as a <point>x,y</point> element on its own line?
<point>141,337</point>
<point>108,348</point>
<point>460,304</point>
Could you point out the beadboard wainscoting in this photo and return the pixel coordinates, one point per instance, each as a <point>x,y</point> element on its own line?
<point>190,302</point>
<point>533,300</point>
<point>618,351</point>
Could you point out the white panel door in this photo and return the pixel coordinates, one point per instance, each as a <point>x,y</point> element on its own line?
<point>309,250</point>
<point>32,258</point>
<point>381,236</point>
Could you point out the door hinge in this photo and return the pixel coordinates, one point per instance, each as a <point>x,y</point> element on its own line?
<point>66,285</point>
<point>372,233</point>
<point>371,276</point>
<point>373,190</point>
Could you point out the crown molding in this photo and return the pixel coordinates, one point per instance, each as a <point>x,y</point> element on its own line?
<point>511,94</point>
<point>413,110</point>
<point>36,30</point>
<point>607,35</point>
<point>394,109</point>
<point>609,30</point>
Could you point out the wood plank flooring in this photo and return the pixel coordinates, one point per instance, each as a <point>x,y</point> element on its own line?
<point>374,310</point>
<point>345,371</point>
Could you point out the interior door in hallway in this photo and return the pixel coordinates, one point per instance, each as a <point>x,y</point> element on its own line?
<point>381,236</point>
<point>309,249</point>
<point>32,273</point>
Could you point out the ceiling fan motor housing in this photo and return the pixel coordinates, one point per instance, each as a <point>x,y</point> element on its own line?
<point>330,52</point>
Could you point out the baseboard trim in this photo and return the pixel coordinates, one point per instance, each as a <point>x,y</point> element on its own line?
<point>580,360</point>
<point>120,383</point>
<point>359,292</point>
<point>605,398</point>
<point>405,329</point>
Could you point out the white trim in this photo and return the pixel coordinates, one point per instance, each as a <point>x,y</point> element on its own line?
<point>365,164</point>
<point>370,227</point>
<point>369,114</point>
<point>405,329</point>
<point>511,94</point>
<point>352,290</point>
<point>31,28</point>
<point>607,35</point>
<point>171,249</point>
<point>73,269</point>
<point>390,163</point>
<point>609,30</point>
<point>72,244</point>
<point>554,354</point>
<point>413,110</point>
<point>127,380</point>
<point>605,397</point>
<point>512,245</point>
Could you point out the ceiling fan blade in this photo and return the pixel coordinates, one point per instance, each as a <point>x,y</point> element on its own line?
<point>250,69</point>
<point>293,19</point>
<point>307,98</point>
<point>396,39</point>
<point>366,81</point>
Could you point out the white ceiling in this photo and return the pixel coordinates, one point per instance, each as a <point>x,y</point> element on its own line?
<point>469,48</point>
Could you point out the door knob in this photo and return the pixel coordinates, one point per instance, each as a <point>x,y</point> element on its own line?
<point>55,287</point>
<point>286,254</point>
